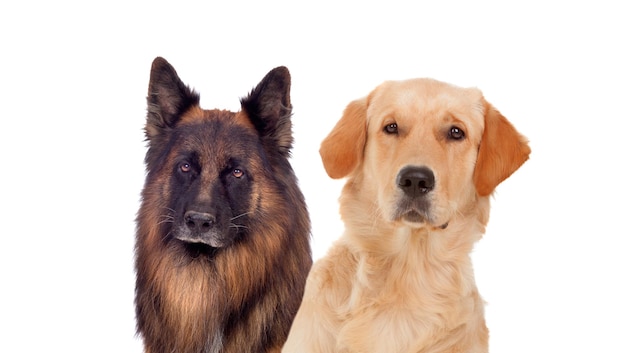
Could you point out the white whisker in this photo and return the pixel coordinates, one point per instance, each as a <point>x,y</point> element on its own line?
<point>241,215</point>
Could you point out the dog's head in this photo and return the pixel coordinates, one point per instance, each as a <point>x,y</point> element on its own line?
<point>208,168</point>
<point>423,150</point>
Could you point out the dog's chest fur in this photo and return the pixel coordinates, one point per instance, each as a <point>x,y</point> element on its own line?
<point>421,294</point>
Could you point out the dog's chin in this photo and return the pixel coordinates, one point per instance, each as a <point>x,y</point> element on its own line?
<point>416,219</point>
<point>413,217</point>
<point>210,242</point>
<point>196,250</point>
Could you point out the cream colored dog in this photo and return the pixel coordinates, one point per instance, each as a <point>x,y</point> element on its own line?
<point>422,158</point>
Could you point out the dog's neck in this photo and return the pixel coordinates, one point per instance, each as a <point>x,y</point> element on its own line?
<point>392,239</point>
<point>426,260</point>
<point>374,236</point>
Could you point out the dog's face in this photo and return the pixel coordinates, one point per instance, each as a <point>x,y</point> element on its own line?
<point>212,166</point>
<point>214,178</point>
<point>423,149</point>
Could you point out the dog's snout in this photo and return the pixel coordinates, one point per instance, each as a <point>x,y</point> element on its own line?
<point>199,221</point>
<point>416,181</point>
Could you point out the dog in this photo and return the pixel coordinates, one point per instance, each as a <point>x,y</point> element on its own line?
<point>422,158</point>
<point>222,240</point>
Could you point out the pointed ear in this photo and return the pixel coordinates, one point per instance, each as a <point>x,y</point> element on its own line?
<point>502,150</point>
<point>342,149</point>
<point>168,98</point>
<point>268,107</point>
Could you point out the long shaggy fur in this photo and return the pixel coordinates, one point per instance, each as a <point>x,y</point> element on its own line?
<point>236,287</point>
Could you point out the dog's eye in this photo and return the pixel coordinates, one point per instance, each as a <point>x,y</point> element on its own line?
<point>185,167</point>
<point>237,173</point>
<point>456,134</point>
<point>391,128</point>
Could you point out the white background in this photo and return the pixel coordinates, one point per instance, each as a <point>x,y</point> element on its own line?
<point>73,81</point>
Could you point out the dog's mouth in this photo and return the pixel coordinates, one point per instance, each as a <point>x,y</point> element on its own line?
<point>413,217</point>
<point>416,218</point>
<point>412,211</point>
<point>210,239</point>
<point>202,236</point>
<point>196,250</point>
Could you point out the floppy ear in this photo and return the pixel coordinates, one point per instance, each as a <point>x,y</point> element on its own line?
<point>268,107</point>
<point>342,149</point>
<point>502,150</point>
<point>168,98</point>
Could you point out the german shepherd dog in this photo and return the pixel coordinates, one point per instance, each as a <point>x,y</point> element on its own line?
<point>222,243</point>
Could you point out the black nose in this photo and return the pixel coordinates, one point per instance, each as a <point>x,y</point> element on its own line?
<point>416,181</point>
<point>199,221</point>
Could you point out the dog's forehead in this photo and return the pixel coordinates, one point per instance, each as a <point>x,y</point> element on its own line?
<point>197,115</point>
<point>209,134</point>
<point>426,98</point>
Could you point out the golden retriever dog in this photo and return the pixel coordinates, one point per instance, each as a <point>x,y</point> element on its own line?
<point>421,158</point>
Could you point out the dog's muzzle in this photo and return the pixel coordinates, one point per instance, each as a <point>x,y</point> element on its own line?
<point>414,205</point>
<point>201,228</point>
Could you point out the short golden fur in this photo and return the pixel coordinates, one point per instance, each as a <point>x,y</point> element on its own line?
<point>400,278</point>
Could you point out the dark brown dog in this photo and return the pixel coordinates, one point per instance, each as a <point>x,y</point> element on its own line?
<point>222,248</point>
